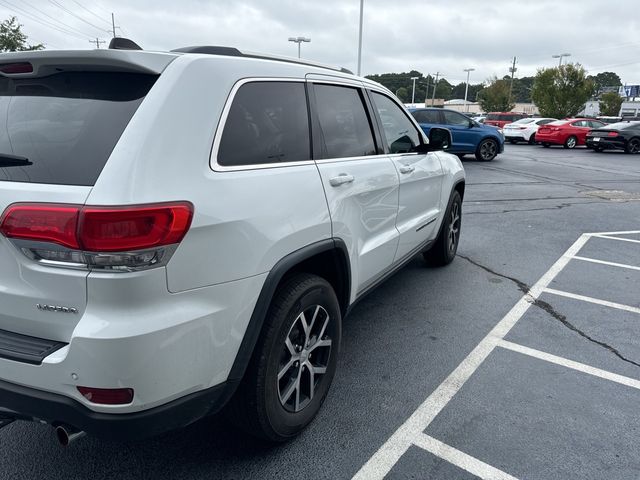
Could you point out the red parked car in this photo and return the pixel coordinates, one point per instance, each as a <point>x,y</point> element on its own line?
<point>568,133</point>
<point>500,119</point>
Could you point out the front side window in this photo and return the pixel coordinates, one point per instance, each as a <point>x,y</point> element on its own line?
<point>344,123</point>
<point>401,135</point>
<point>267,123</point>
<point>453,118</point>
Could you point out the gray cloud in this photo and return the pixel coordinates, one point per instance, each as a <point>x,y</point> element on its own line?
<point>429,36</point>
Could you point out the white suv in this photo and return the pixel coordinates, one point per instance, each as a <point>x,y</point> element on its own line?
<point>180,229</point>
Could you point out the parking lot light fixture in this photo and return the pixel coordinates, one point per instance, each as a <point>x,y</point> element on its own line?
<point>466,88</point>
<point>413,91</point>
<point>561,56</point>
<point>299,40</point>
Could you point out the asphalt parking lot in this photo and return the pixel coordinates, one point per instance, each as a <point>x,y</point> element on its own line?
<point>519,360</point>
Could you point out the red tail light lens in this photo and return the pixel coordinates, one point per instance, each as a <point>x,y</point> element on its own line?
<point>22,67</point>
<point>122,229</point>
<point>42,223</point>
<point>107,396</point>
<point>612,134</point>
<point>99,229</point>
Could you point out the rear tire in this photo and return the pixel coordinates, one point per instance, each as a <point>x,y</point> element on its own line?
<point>532,139</point>
<point>571,142</point>
<point>487,150</point>
<point>294,362</point>
<point>633,146</point>
<point>445,247</point>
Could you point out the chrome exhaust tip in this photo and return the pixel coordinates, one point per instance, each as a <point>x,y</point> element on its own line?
<point>67,434</point>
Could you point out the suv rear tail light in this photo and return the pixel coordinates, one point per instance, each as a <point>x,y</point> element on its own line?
<point>118,238</point>
<point>11,68</point>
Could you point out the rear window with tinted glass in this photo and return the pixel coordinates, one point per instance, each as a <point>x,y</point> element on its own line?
<point>65,126</point>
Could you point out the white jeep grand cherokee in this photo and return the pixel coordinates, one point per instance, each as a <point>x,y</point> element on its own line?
<point>182,230</point>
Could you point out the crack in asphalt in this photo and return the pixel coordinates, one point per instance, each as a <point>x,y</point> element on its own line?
<point>554,207</point>
<point>548,308</point>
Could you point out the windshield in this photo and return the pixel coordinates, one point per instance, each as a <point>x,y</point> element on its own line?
<point>66,124</point>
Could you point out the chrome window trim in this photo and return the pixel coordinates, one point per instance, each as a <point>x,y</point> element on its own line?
<point>213,157</point>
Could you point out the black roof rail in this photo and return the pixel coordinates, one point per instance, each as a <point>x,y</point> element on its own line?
<point>234,52</point>
<point>121,43</point>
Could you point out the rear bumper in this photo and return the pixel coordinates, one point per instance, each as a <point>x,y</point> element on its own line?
<point>553,139</point>
<point>28,403</point>
<point>606,144</point>
<point>509,135</point>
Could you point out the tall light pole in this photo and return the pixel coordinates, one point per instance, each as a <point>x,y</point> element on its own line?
<point>560,56</point>
<point>299,40</point>
<point>413,90</point>
<point>360,37</point>
<point>466,88</point>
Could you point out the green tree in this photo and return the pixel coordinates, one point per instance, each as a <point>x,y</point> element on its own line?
<point>12,39</point>
<point>604,80</point>
<point>610,104</point>
<point>561,91</point>
<point>495,97</point>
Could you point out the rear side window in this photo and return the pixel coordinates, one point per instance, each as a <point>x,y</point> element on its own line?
<point>344,123</point>
<point>545,121</point>
<point>267,123</point>
<point>66,125</point>
<point>399,131</point>
<point>426,116</point>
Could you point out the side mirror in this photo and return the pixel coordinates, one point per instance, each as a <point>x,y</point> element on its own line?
<point>439,139</point>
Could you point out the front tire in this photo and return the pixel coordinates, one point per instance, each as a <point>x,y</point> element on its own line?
<point>571,142</point>
<point>294,362</point>
<point>487,150</point>
<point>446,245</point>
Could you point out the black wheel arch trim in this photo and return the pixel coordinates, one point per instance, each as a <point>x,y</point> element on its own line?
<point>275,276</point>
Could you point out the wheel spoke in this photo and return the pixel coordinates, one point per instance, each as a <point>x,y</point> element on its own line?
<point>286,368</point>
<point>312,386</point>
<point>290,347</point>
<point>294,387</point>
<point>325,342</point>
<point>305,326</point>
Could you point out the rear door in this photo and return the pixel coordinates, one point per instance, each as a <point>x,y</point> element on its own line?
<point>420,176</point>
<point>428,119</point>
<point>60,130</point>
<point>360,181</point>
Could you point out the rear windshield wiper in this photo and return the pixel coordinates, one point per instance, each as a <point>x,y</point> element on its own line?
<point>7,160</point>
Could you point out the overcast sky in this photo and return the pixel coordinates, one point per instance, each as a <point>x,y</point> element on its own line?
<point>425,35</point>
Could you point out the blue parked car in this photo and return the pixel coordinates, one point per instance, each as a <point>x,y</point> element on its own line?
<point>469,136</point>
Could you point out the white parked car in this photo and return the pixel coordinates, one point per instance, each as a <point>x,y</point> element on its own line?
<point>524,130</point>
<point>181,230</point>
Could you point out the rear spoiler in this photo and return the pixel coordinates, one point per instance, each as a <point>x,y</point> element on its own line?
<point>45,63</point>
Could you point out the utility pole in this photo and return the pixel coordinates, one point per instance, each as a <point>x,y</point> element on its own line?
<point>435,85</point>
<point>113,25</point>
<point>360,37</point>
<point>97,41</point>
<point>513,70</point>
<point>466,88</point>
<point>413,90</point>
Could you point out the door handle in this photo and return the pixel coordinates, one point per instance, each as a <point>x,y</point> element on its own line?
<point>406,168</point>
<point>341,179</point>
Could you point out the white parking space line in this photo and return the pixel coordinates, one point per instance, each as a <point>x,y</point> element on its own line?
<point>626,232</point>
<point>630,240</point>
<point>597,301</point>
<point>390,452</point>
<point>602,262</point>
<point>460,459</point>
<point>565,362</point>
